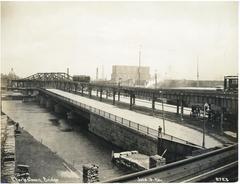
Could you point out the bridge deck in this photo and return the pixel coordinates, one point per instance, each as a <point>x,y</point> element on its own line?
<point>171,128</point>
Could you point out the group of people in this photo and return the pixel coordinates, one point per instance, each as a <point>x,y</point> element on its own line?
<point>195,111</point>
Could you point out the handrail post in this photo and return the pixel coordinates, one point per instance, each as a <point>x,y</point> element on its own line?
<point>129,123</point>
<point>122,120</point>
<point>147,130</point>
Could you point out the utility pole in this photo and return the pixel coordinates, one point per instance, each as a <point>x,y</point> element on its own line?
<point>163,115</point>
<point>155,79</point>
<point>206,106</point>
<point>102,72</point>
<point>68,73</point>
<point>97,74</point>
<point>197,74</point>
<point>139,64</point>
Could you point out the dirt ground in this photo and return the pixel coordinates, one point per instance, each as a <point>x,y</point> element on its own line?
<point>44,165</point>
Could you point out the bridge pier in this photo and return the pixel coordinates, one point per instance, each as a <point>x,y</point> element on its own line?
<point>50,104</point>
<point>101,95</point>
<point>59,109</point>
<point>153,105</point>
<point>42,101</point>
<point>133,99</point>
<point>221,122</point>
<point>70,115</point>
<point>107,94</point>
<point>82,91</point>
<point>119,96</point>
<point>182,108</point>
<point>131,102</point>
<point>90,93</point>
<point>177,106</point>
<point>114,93</point>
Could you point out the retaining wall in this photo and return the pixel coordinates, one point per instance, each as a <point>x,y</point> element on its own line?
<point>122,136</point>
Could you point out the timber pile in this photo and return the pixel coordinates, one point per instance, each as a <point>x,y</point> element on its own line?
<point>7,153</point>
<point>90,173</point>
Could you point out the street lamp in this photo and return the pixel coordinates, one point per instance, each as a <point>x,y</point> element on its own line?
<point>163,115</point>
<point>206,106</point>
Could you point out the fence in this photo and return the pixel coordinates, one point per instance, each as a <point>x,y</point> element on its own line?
<point>136,126</point>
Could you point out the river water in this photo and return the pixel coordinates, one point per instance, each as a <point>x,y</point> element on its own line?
<point>73,143</point>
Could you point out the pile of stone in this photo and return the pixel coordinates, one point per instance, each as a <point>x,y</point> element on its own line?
<point>90,173</point>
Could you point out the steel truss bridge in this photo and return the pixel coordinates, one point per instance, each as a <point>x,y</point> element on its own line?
<point>224,102</point>
<point>205,167</point>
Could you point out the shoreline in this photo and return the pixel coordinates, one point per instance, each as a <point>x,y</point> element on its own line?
<point>44,164</point>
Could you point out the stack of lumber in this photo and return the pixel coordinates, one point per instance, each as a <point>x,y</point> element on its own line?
<point>90,173</point>
<point>7,152</point>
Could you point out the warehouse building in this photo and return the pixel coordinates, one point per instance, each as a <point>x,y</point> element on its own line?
<point>130,75</point>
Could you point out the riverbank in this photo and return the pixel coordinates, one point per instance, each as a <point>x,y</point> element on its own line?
<point>44,165</point>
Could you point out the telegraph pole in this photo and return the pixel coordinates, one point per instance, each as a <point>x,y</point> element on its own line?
<point>139,64</point>
<point>68,73</point>
<point>155,79</point>
<point>197,74</point>
<point>163,116</point>
<point>206,106</point>
<point>97,73</point>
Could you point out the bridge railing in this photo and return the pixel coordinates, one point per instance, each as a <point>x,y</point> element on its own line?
<point>130,124</point>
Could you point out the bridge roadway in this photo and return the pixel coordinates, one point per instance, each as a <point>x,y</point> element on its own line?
<point>222,101</point>
<point>176,130</point>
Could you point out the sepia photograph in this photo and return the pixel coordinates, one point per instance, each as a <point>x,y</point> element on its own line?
<point>119,91</point>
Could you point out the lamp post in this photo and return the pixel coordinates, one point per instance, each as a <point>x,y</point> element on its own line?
<point>204,128</point>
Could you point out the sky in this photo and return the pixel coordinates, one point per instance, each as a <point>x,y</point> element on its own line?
<point>173,38</point>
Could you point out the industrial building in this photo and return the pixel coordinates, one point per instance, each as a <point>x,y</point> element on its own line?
<point>130,75</point>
